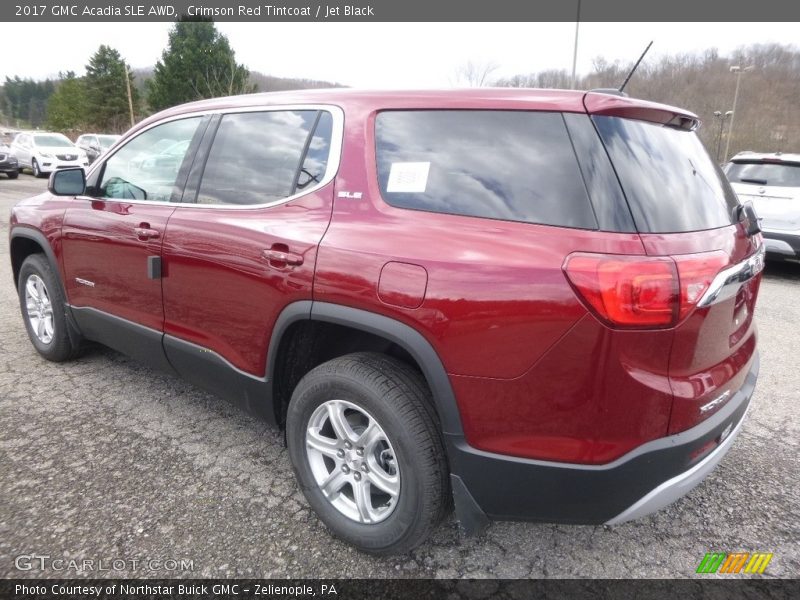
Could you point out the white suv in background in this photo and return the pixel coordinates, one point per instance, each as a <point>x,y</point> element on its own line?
<point>772,183</point>
<point>43,153</point>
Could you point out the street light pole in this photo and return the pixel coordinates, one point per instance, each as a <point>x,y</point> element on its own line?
<point>738,70</point>
<point>721,116</point>
<point>575,48</point>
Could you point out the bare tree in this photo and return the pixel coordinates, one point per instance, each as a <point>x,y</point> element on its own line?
<point>766,119</point>
<point>475,74</point>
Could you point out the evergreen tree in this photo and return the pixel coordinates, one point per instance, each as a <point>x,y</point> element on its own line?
<point>197,63</point>
<point>66,108</point>
<point>107,92</point>
<point>26,99</point>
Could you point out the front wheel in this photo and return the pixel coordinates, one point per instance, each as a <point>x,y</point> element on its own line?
<point>35,168</point>
<point>44,310</point>
<point>366,449</point>
<point>12,174</point>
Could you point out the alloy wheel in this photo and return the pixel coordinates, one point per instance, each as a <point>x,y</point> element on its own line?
<point>39,308</point>
<point>352,461</point>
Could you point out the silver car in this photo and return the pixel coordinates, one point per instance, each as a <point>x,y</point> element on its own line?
<point>772,183</point>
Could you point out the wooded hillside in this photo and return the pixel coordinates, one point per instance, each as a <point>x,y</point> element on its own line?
<point>767,114</point>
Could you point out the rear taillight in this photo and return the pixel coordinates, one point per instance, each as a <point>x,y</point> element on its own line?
<point>696,272</point>
<point>642,291</point>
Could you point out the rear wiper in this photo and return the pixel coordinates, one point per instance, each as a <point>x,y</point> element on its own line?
<point>756,181</point>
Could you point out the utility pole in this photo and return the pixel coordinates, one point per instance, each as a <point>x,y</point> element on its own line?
<point>738,70</point>
<point>721,116</point>
<point>575,48</point>
<point>130,98</point>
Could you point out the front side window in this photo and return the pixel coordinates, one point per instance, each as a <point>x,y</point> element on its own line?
<point>509,165</point>
<point>261,157</point>
<point>146,168</point>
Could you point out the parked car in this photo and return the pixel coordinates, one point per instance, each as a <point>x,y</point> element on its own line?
<point>8,162</point>
<point>95,144</point>
<point>43,153</point>
<point>772,183</point>
<point>537,303</point>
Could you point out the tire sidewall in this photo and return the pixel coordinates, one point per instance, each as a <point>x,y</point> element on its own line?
<point>35,168</point>
<point>37,265</point>
<point>397,525</point>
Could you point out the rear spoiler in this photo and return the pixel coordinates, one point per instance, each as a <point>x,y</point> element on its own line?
<point>601,103</point>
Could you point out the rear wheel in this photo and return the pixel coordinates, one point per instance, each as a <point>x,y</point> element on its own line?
<point>12,174</point>
<point>44,310</point>
<point>366,450</point>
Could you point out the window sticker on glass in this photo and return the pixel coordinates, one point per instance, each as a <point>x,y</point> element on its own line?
<point>408,177</point>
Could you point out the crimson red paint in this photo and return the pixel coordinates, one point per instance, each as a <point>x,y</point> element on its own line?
<point>579,367</point>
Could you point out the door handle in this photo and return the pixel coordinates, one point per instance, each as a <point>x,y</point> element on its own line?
<point>279,256</point>
<point>144,232</point>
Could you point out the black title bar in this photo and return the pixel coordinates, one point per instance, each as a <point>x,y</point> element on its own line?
<point>390,589</point>
<point>402,10</point>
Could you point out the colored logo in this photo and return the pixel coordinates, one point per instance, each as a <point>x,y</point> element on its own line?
<point>737,562</point>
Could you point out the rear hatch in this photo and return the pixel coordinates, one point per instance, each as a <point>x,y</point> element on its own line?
<point>773,186</point>
<point>686,212</point>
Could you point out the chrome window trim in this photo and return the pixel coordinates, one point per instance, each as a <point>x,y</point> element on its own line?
<point>334,158</point>
<point>728,281</point>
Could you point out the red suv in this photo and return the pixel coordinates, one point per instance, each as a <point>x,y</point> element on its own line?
<point>536,303</point>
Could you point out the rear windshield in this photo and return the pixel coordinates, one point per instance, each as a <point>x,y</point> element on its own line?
<point>106,141</point>
<point>671,183</point>
<point>509,165</point>
<point>759,173</point>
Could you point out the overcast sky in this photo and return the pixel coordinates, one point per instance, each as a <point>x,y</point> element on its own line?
<point>381,55</point>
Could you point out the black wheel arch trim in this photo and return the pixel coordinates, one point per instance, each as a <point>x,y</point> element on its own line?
<point>28,232</point>
<point>399,333</point>
<point>25,231</point>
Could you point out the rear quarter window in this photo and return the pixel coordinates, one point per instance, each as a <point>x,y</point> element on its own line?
<point>509,165</point>
<point>671,183</point>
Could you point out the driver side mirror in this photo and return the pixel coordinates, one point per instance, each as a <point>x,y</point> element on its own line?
<point>67,182</point>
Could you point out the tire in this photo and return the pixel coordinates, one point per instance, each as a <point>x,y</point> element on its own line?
<point>35,168</point>
<point>12,174</point>
<point>39,288</point>
<point>370,389</point>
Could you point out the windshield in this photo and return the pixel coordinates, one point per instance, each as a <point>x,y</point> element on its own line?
<point>759,173</point>
<point>52,141</point>
<point>106,141</point>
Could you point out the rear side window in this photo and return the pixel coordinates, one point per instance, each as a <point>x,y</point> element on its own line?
<point>260,157</point>
<point>671,183</point>
<point>759,173</point>
<point>510,165</point>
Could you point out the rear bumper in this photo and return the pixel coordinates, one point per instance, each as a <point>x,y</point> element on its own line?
<point>639,483</point>
<point>782,244</point>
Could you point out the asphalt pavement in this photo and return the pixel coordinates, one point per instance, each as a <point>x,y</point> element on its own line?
<point>103,460</point>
